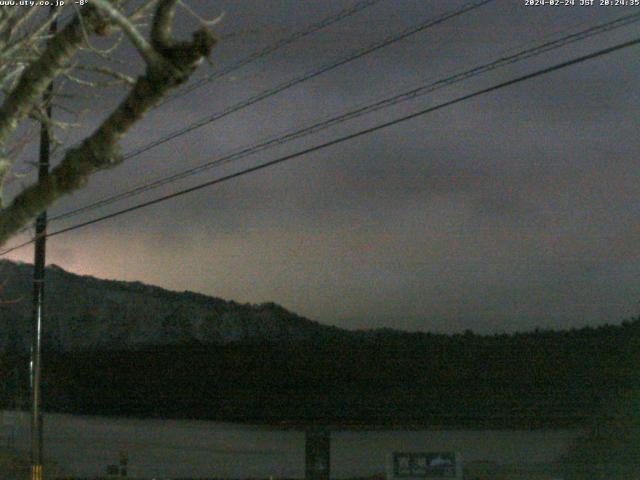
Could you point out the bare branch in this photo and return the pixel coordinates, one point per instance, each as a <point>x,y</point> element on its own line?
<point>203,21</point>
<point>37,76</point>
<point>141,44</point>
<point>177,61</point>
<point>107,72</point>
<point>161,27</point>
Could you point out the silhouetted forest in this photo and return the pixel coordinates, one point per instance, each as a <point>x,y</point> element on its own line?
<point>539,379</point>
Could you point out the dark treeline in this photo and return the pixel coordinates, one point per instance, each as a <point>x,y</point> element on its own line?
<point>531,380</point>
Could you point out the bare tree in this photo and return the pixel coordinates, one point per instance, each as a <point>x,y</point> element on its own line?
<point>31,58</point>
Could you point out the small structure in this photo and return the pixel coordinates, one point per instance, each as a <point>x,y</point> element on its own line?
<point>120,470</point>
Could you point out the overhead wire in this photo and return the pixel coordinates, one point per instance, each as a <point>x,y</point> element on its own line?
<point>269,49</point>
<point>389,40</point>
<point>369,108</point>
<point>345,138</point>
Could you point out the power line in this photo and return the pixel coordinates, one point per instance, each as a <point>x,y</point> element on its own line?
<point>315,27</point>
<point>477,93</point>
<point>385,103</point>
<point>283,86</point>
<point>309,75</point>
<point>353,56</point>
<point>322,24</point>
<point>269,49</point>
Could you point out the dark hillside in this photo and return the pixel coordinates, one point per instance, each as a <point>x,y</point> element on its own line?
<point>534,380</point>
<point>125,348</point>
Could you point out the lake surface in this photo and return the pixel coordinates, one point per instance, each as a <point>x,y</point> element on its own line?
<point>85,446</point>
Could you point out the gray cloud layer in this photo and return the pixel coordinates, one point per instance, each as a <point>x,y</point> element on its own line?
<point>514,210</point>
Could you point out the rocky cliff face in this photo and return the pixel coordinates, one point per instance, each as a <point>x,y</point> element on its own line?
<point>85,312</point>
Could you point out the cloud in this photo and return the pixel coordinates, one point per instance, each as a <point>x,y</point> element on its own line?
<point>509,211</point>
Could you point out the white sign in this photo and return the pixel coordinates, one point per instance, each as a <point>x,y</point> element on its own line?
<point>424,465</point>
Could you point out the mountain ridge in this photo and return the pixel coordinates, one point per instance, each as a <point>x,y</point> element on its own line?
<point>87,312</point>
<point>125,348</point>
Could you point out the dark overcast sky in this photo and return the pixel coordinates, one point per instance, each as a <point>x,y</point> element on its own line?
<point>514,210</point>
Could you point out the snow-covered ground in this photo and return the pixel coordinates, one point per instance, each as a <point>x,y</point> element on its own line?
<point>84,446</point>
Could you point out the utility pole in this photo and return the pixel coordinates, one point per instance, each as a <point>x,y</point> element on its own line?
<point>38,286</point>
<point>317,453</point>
